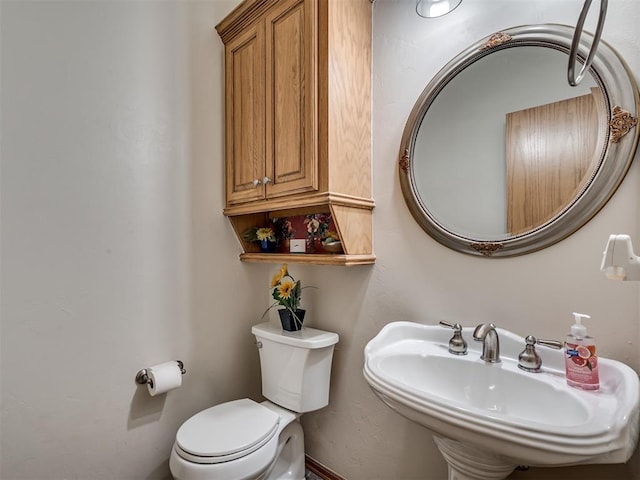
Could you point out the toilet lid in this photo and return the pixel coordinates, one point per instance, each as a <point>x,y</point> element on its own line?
<point>227,431</point>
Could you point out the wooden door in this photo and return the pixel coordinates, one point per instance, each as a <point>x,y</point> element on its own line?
<point>245,116</point>
<point>550,151</point>
<point>291,73</point>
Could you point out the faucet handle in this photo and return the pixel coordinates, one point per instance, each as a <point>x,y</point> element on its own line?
<point>457,344</point>
<point>529,360</point>
<point>556,345</point>
<point>454,326</point>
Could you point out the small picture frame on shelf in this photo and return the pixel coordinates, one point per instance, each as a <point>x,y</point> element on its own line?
<point>297,245</point>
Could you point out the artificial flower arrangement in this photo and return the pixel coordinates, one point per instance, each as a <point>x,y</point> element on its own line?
<point>287,292</point>
<point>259,234</point>
<point>284,228</point>
<point>317,226</point>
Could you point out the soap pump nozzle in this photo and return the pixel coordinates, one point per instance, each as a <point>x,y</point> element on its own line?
<point>577,329</point>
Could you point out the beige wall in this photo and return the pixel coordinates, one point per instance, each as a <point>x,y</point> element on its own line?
<point>115,254</point>
<point>417,279</point>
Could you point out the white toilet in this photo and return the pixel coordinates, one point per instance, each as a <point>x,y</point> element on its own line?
<point>243,439</point>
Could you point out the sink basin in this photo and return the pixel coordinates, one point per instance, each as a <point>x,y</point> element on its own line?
<point>493,391</point>
<point>490,417</point>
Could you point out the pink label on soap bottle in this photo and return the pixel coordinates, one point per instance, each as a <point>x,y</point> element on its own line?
<point>581,364</point>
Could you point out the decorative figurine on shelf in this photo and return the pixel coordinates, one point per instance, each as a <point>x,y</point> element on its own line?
<point>331,243</point>
<point>265,235</point>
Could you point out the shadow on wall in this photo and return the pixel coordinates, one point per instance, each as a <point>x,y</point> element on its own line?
<point>144,409</point>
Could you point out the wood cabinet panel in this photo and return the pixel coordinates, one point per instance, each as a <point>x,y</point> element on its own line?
<point>349,96</point>
<point>291,85</point>
<point>245,104</point>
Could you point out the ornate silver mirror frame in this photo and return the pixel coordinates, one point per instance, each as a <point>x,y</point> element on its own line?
<point>620,129</point>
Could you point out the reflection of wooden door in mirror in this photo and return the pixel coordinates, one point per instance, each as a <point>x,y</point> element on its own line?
<point>550,153</point>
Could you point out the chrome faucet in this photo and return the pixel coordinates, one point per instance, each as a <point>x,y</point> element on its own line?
<point>486,333</point>
<point>529,360</point>
<point>457,345</point>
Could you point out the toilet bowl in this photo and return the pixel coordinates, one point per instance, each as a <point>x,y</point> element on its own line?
<point>239,440</point>
<point>246,440</point>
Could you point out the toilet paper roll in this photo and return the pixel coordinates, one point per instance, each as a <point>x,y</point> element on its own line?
<point>164,377</point>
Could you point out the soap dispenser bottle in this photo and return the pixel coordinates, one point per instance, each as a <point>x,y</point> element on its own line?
<point>581,362</point>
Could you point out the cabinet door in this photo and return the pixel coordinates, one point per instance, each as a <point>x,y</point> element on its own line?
<point>291,72</point>
<point>245,107</point>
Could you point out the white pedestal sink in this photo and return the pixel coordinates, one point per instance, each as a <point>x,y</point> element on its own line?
<point>489,418</point>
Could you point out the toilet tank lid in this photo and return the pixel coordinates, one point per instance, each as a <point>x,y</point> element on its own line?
<point>306,338</point>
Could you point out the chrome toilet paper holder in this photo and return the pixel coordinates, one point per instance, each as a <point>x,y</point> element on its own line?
<point>142,378</point>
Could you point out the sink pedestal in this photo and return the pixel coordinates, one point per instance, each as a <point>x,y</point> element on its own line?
<point>470,463</point>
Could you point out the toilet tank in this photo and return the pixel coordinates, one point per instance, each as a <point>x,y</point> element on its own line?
<point>296,366</point>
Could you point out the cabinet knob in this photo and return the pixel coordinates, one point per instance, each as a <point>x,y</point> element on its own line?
<point>266,180</point>
<point>256,182</point>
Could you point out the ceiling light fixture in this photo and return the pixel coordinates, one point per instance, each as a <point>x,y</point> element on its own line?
<point>435,8</point>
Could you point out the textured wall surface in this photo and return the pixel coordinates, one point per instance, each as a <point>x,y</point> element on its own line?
<point>115,253</point>
<point>417,279</point>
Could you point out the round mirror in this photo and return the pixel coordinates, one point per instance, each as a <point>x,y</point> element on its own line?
<point>501,157</point>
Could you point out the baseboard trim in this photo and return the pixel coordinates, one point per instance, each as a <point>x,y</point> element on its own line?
<point>320,470</point>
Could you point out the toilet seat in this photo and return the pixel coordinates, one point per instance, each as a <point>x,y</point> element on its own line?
<point>226,432</point>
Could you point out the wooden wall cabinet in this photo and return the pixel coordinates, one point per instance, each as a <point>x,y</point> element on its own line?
<point>298,119</point>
